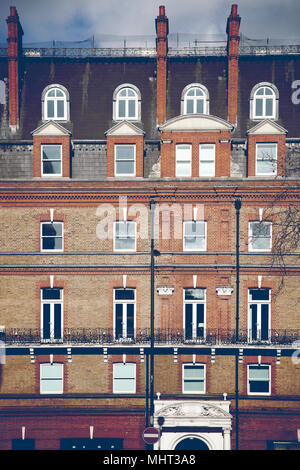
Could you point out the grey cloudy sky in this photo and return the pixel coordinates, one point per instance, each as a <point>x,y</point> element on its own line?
<point>45,20</point>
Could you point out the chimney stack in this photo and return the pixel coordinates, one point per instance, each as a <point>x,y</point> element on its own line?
<point>162,30</point>
<point>15,33</point>
<point>233,39</point>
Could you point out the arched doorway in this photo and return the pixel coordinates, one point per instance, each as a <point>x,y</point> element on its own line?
<point>191,443</point>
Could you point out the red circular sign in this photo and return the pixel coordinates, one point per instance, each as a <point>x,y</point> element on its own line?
<point>151,435</point>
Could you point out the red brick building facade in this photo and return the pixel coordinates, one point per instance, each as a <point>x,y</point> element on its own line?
<point>105,332</point>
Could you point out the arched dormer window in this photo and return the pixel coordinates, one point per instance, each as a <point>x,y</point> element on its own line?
<point>264,100</point>
<point>195,99</point>
<point>127,103</point>
<point>55,103</point>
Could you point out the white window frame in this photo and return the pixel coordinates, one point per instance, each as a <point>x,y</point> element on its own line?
<point>178,161</point>
<point>116,378</point>
<point>205,235</point>
<point>49,250</point>
<point>51,175</point>
<point>213,161</point>
<point>52,302</point>
<point>194,304</point>
<point>115,159</point>
<point>265,144</point>
<point>199,392</point>
<point>65,99</point>
<point>132,222</point>
<point>125,303</point>
<point>184,98</point>
<point>259,304</point>
<point>59,378</point>
<point>137,99</point>
<point>248,379</point>
<point>275,98</point>
<point>251,248</point>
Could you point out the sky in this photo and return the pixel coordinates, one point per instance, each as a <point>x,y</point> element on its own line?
<point>72,20</point>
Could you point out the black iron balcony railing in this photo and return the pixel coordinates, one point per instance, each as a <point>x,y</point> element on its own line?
<point>162,336</point>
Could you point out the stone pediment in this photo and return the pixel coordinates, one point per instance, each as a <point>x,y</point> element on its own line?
<point>50,128</point>
<point>193,410</point>
<point>196,122</point>
<point>125,128</point>
<point>267,127</point>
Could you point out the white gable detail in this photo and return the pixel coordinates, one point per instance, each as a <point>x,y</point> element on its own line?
<point>124,128</point>
<point>196,122</point>
<point>50,128</point>
<point>267,127</point>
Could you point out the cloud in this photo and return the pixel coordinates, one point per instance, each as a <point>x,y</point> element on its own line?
<point>45,20</point>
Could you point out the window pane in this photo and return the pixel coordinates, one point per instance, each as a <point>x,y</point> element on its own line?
<point>51,93</point>
<point>60,109</point>
<point>51,294</point>
<point>194,372</point>
<point>51,371</point>
<point>51,152</point>
<point>192,386</point>
<point>266,151</point>
<point>125,243</point>
<point>269,107</point>
<point>46,321</point>
<point>189,106</point>
<point>124,294</point>
<point>188,321</point>
<point>124,385</point>
<point>194,228</point>
<point>260,294</point>
<point>50,243</point>
<point>131,108</point>
<point>200,107</point>
<point>125,168</point>
<point>194,294</point>
<point>125,152</point>
<point>121,106</point>
<point>268,91</point>
<point>51,386</point>
<point>207,168</point>
<point>130,92</point>
<point>52,229</point>
<point>183,169</point>
<point>258,107</point>
<point>259,372</point>
<point>183,152</point>
<point>259,387</point>
<point>194,243</point>
<point>124,371</point>
<point>59,92</point>
<point>265,167</point>
<point>51,168</point>
<point>50,108</point>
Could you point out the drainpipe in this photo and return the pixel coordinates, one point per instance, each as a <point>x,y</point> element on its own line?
<point>237,205</point>
<point>152,210</point>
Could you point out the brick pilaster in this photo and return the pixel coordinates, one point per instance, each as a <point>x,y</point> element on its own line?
<point>233,39</point>
<point>162,30</point>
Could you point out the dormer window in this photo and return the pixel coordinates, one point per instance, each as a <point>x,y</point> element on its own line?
<point>195,100</point>
<point>264,102</point>
<point>127,103</point>
<point>55,103</point>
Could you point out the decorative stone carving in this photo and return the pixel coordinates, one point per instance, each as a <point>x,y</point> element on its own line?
<point>165,290</point>
<point>224,290</point>
<point>194,410</point>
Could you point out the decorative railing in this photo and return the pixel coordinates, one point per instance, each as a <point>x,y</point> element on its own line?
<point>165,336</point>
<point>197,50</point>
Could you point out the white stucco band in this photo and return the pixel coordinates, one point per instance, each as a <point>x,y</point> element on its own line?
<point>212,417</point>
